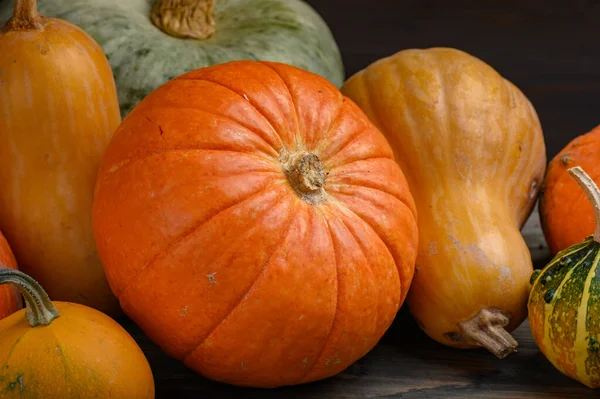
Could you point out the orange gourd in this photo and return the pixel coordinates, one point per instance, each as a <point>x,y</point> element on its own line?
<point>566,214</point>
<point>61,350</point>
<point>253,222</point>
<point>10,299</point>
<point>472,149</point>
<point>58,110</point>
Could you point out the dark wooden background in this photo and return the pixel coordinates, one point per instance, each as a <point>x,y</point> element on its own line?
<point>550,49</point>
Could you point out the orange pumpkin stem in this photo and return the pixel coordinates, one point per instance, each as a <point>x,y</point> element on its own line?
<point>25,17</point>
<point>40,309</point>
<point>486,329</point>
<point>592,192</point>
<point>185,18</point>
<point>306,175</point>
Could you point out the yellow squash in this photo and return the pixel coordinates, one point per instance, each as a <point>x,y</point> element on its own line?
<point>58,110</point>
<point>472,149</point>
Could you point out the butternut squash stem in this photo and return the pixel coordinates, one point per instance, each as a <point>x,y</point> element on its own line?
<point>25,17</point>
<point>486,329</point>
<point>194,19</point>
<point>40,309</point>
<point>593,193</point>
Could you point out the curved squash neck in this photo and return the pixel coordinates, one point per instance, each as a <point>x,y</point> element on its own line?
<point>193,19</point>
<point>25,17</point>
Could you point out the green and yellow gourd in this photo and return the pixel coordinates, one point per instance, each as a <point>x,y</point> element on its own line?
<point>564,304</point>
<point>149,42</point>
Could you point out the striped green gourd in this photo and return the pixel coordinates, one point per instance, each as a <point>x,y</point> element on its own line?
<point>564,303</point>
<point>143,56</point>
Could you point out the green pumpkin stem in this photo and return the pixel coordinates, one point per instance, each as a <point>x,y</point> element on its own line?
<point>193,19</point>
<point>593,193</point>
<point>25,17</point>
<point>40,309</point>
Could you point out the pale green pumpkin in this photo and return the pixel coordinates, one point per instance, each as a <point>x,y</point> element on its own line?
<point>144,57</point>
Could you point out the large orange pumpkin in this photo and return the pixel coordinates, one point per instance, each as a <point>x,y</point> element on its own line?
<point>566,214</point>
<point>253,222</point>
<point>10,298</point>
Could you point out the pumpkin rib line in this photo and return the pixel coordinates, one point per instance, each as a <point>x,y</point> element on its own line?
<point>224,117</point>
<point>188,233</point>
<point>324,140</point>
<point>14,345</point>
<point>297,137</point>
<point>331,169</point>
<point>348,143</point>
<point>362,250</point>
<point>407,206</point>
<point>249,102</point>
<point>64,360</point>
<point>337,301</point>
<point>286,232</point>
<point>345,206</point>
<point>129,161</point>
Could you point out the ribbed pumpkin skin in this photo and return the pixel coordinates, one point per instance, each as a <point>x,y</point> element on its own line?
<point>566,215</point>
<point>143,57</point>
<point>569,339</point>
<point>10,298</point>
<point>58,110</point>
<point>471,147</point>
<point>215,255</point>
<point>81,354</point>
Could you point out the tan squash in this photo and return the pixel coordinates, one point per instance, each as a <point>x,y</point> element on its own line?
<point>472,149</point>
<point>58,110</point>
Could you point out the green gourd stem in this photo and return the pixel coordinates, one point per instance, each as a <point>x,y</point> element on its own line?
<point>193,19</point>
<point>40,309</point>
<point>593,193</point>
<point>25,17</point>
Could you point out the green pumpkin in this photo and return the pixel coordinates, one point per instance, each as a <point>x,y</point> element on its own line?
<point>144,57</point>
<point>564,303</point>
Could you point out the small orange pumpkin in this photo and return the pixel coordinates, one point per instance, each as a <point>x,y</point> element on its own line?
<point>253,222</point>
<point>61,350</point>
<point>10,299</point>
<point>566,214</point>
